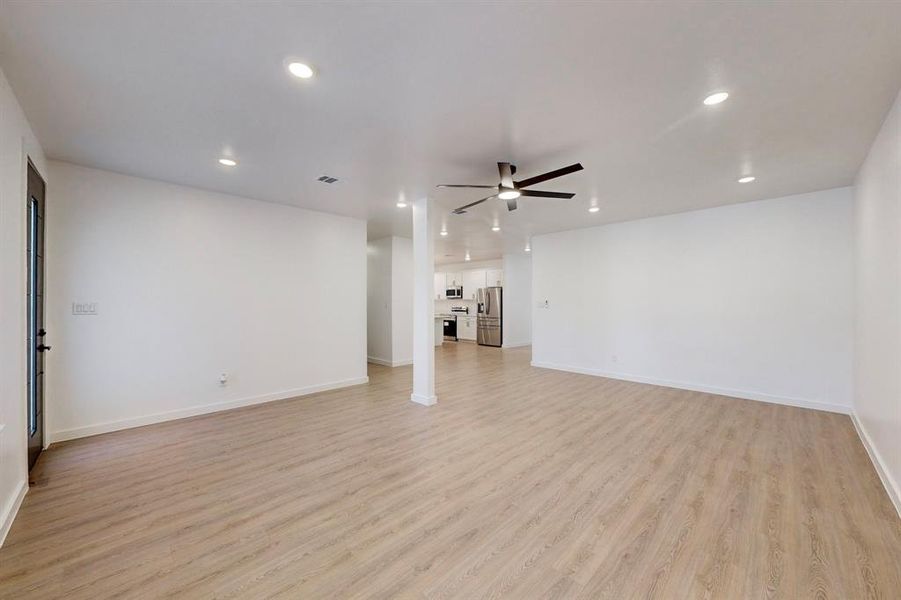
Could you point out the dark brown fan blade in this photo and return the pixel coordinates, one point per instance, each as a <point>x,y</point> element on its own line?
<point>537,194</point>
<point>455,185</point>
<point>462,209</point>
<point>511,204</point>
<point>506,173</point>
<point>549,175</point>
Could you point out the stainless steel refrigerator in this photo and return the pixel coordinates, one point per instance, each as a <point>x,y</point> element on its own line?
<point>490,316</point>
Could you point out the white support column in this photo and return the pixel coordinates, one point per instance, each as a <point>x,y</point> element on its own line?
<point>423,304</point>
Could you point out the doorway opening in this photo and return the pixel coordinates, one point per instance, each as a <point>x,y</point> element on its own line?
<point>35,207</point>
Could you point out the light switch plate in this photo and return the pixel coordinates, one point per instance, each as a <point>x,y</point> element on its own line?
<point>84,308</point>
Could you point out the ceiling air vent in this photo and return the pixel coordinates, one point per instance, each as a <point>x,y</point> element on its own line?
<point>327,179</point>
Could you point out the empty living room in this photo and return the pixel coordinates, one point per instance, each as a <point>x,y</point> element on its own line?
<point>450,300</point>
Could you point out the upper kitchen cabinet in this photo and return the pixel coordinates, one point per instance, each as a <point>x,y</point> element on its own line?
<point>472,281</point>
<point>453,279</point>
<point>494,277</point>
<point>440,286</point>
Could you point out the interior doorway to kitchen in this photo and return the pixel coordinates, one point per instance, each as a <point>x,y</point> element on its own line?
<point>469,303</point>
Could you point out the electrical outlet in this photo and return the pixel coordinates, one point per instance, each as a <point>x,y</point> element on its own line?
<point>223,379</point>
<point>614,358</point>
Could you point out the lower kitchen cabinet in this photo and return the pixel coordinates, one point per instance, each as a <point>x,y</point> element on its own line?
<point>466,328</point>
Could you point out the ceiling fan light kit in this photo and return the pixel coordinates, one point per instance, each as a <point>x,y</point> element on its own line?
<point>509,190</point>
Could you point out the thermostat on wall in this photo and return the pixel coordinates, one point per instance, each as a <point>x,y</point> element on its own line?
<point>84,308</point>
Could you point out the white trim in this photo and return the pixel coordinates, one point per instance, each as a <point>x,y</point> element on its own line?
<point>79,432</point>
<point>890,485</point>
<point>388,363</point>
<point>11,510</point>
<point>516,344</point>
<point>697,387</point>
<point>424,400</point>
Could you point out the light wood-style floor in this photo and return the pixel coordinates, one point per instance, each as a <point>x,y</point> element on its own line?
<point>520,483</point>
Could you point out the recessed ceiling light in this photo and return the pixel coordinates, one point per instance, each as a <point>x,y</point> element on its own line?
<point>747,179</point>
<point>466,257</point>
<point>299,69</point>
<point>496,228</point>
<point>509,195</point>
<point>228,162</point>
<point>401,204</point>
<point>443,232</point>
<point>716,98</point>
<point>594,209</point>
<point>528,248</point>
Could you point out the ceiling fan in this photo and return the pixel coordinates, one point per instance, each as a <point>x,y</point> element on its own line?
<point>510,190</point>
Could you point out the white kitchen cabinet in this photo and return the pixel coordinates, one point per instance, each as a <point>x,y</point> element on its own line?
<point>466,328</point>
<point>453,279</point>
<point>495,277</point>
<point>472,281</point>
<point>440,288</point>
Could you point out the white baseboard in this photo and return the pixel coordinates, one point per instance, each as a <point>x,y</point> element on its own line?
<point>516,344</point>
<point>696,387</point>
<point>11,509</point>
<point>79,432</point>
<point>890,485</point>
<point>389,363</point>
<point>424,400</point>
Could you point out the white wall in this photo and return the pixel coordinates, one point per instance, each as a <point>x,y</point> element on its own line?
<point>877,367</point>
<point>190,284</point>
<point>17,144</point>
<point>494,263</point>
<point>517,300</point>
<point>752,300</point>
<point>401,300</point>
<point>378,301</point>
<point>390,301</point>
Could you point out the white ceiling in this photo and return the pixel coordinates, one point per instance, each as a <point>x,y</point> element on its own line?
<point>411,95</point>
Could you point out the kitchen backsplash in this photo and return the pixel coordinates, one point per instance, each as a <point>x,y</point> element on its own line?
<point>444,306</point>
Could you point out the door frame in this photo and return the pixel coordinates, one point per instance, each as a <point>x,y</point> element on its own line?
<point>31,166</point>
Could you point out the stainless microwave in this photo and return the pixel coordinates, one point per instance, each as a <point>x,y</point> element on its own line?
<point>454,292</point>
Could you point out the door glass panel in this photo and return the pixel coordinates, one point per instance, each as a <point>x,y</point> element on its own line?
<point>32,315</point>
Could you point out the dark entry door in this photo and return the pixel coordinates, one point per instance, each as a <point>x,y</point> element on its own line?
<point>35,299</point>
